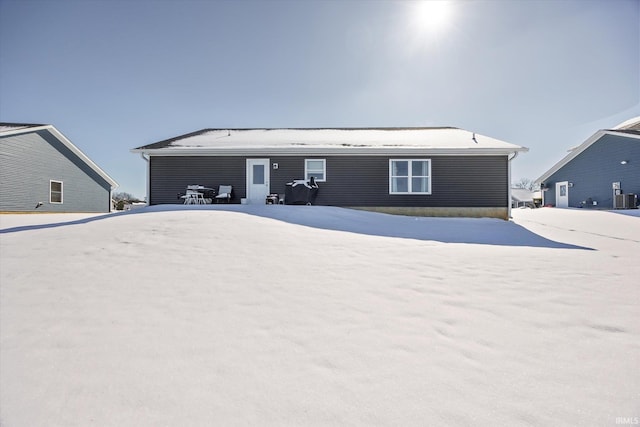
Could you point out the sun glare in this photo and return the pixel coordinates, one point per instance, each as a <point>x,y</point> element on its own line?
<point>432,15</point>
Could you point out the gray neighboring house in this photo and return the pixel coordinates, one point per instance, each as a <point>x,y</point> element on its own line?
<point>42,171</point>
<point>602,173</point>
<point>417,171</point>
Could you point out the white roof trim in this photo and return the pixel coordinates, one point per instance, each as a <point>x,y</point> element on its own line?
<point>22,129</point>
<point>326,151</point>
<point>56,133</point>
<point>579,149</point>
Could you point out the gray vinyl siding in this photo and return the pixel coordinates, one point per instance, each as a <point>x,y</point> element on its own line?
<point>457,181</point>
<point>27,164</point>
<point>169,176</point>
<point>594,171</point>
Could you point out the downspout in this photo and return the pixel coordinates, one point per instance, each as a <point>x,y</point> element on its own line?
<point>515,154</point>
<point>146,159</point>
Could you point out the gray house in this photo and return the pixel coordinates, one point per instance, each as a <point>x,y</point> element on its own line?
<point>42,171</point>
<point>418,171</point>
<point>603,172</point>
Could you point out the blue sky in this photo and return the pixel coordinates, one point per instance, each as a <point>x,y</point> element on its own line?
<point>114,75</point>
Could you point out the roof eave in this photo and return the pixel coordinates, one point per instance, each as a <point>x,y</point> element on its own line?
<point>58,135</point>
<point>83,156</point>
<point>25,129</point>
<point>579,149</point>
<point>324,151</point>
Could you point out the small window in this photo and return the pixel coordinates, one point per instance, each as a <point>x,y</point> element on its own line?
<point>410,176</point>
<point>316,168</point>
<point>258,174</point>
<point>55,191</point>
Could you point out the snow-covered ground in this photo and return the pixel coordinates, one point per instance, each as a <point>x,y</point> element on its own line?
<point>295,315</point>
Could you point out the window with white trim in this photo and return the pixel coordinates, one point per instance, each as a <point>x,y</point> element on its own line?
<point>55,191</point>
<point>410,176</point>
<point>316,168</point>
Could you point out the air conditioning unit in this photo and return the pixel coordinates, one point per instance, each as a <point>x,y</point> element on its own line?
<point>625,201</point>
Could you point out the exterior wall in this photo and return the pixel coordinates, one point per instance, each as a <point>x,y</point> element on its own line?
<point>363,181</point>
<point>594,171</point>
<point>29,161</point>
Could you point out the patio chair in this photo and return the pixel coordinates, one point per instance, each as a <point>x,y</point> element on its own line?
<point>193,197</point>
<point>224,194</point>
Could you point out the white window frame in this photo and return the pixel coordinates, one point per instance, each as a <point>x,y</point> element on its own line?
<point>324,169</point>
<point>51,181</point>
<point>409,176</point>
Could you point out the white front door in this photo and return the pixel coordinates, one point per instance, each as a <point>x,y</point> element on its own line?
<point>562,194</point>
<point>257,180</point>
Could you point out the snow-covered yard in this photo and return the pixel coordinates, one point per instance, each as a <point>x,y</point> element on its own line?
<point>287,315</point>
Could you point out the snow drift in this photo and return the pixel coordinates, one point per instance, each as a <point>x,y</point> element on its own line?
<point>295,315</point>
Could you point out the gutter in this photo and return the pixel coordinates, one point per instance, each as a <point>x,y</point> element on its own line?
<point>326,151</point>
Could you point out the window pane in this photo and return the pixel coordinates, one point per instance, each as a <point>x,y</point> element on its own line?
<point>315,165</point>
<point>319,176</point>
<point>55,192</point>
<point>399,185</point>
<point>419,185</point>
<point>315,168</point>
<point>400,168</point>
<point>258,174</point>
<point>419,168</point>
<point>563,190</point>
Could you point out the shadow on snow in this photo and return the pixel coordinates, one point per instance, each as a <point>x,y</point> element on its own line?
<point>485,231</point>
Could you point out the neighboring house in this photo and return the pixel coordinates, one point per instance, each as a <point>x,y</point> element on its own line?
<point>133,205</point>
<point>42,171</point>
<point>598,172</point>
<point>522,198</point>
<point>418,171</point>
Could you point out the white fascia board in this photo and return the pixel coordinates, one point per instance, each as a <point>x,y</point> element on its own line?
<point>579,149</point>
<point>55,132</point>
<point>26,129</point>
<point>327,151</point>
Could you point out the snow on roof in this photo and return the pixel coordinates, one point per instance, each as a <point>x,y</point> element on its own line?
<point>336,138</point>
<point>522,195</point>
<point>631,124</point>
